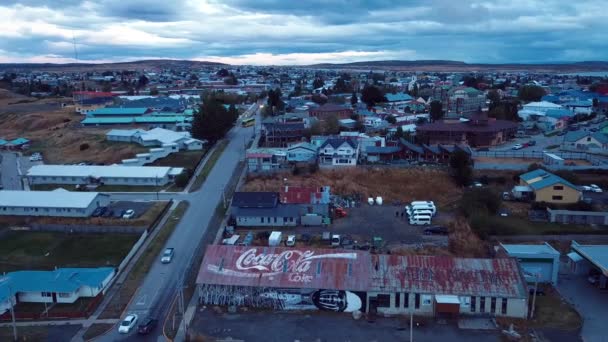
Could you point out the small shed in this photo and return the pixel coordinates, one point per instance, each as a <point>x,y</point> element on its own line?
<point>540,261</point>
<point>552,159</point>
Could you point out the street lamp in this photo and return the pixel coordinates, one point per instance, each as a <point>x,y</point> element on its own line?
<point>536,276</point>
<point>10,304</point>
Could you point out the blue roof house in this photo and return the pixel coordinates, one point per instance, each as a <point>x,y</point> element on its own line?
<point>550,188</point>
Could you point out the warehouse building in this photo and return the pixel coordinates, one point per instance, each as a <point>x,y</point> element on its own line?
<point>590,261</point>
<point>354,280</point>
<point>102,174</point>
<point>155,137</point>
<point>60,203</point>
<point>539,262</point>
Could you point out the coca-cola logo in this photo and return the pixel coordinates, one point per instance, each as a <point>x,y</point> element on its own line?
<point>295,262</point>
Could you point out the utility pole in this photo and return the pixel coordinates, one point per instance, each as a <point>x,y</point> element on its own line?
<point>534,296</point>
<point>224,196</point>
<point>411,321</point>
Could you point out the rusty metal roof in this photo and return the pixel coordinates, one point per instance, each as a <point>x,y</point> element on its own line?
<point>266,267</point>
<point>360,271</point>
<point>303,195</point>
<point>499,277</point>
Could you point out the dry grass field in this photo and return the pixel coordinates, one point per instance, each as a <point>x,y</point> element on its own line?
<point>403,185</point>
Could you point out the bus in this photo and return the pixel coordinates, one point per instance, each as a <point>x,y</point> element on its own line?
<point>248,122</point>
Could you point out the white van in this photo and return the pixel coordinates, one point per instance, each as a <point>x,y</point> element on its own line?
<point>420,220</point>
<point>420,213</point>
<point>423,202</point>
<point>412,208</point>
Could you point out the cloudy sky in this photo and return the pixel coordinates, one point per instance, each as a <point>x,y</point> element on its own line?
<point>303,32</point>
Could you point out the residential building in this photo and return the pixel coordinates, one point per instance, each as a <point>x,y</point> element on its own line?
<point>536,109</point>
<point>478,131</point>
<point>266,159</point>
<point>62,285</point>
<point>302,153</point>
<point>540,263</point>
<point>329,110</point>
<point>279,134</point>
<point>118,112</point>
<point>354,280</point>
<point>156,137</point>
<point>585,140</point>
<point>60,203</point>
<point>550,188</point>
<point>580,107</point>
<point>460,101</point>
<point>102,174</point>
<point>339,152</point>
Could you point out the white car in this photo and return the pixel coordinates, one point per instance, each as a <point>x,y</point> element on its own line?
<point>130,213</point>
<point>518,146</point>
<point>127,324</point>
<point>167,255</point>
<point>596,189</point>
<point>291,241</point>
<point>585,188</point>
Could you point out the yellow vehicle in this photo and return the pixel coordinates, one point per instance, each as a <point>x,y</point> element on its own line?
<point>248,122</point>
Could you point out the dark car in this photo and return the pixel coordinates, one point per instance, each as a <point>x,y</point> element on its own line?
<point>99,211</point>
<point>437,230</point>
<point>108,213</point>
<point>147,326</point>
<point>531,142</point>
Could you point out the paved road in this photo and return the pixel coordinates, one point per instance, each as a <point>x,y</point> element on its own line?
<point>158,288</point>
<point>10,171</point>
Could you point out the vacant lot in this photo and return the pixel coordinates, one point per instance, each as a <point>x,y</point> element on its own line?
<point>46,250</point>
<point>394,185</point>
<point>185,159</point>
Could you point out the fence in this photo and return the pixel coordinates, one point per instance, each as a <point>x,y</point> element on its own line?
<point>133,250</point>
<point>578,217</point>
<point>596,163</point>
<point>86,312</point>
<point>90,229</point>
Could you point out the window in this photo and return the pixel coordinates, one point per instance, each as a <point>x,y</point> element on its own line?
<point>588,139</point>
<point>397,300</point>
<point>473,303</point>
<point>291,219</point>
<point>406,300</point>
<point>427,300</point>
<point>261,220</point>
<point>482,304</point>
<point>493,305</point>
<point>384,301</point>
<point>557,198</point>
<point>417,301</point>
<point>46,294</point>
<point>319,267</point>
<point>503,308</point>
<point>558,187</point>
<point>275,220</point>
<point>349,270</point>
<point>64,295</point>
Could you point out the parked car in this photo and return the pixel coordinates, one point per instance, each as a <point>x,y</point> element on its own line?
<point>517,147</point>
<point>127,324</point>
<point>436,230</point>
<point>128,214</point>
<point>147,326</point>
<point>99,211</point>
<point>531,143</point>
<point>585,188</point>
<point>36,157</point>
<point>167,255</point>
<point>291,241</point>
<point>595,188</point>
<point>108,213</point>
<point>483,149</point>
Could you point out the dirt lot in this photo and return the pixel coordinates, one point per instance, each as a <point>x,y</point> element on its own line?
<point>56,132</point>
<point>526,161</point>
<point>402,185</point>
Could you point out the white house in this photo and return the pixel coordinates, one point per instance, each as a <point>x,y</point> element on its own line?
<point>102,174</point>
<point>373,121</point>
<point>537,109</point>
<point>59,202</point>
<point>155,137</point>
<point>63,285</point>
<point>339,152</point>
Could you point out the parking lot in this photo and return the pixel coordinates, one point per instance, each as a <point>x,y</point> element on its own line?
<point>117,209</point>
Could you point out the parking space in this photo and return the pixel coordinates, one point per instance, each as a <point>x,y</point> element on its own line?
<point>118,209</point>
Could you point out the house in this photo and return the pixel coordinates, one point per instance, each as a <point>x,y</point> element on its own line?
<point>375,154</point>
<point>262,209</point>
<point>584,140</point>
<point>580,107</point>
<point>302,153</point>
<point>398,100</point>
<point>328,110</point>
<point>62,285</point>
<point>118,112</point>
<point>266,159</point>
<point>339,152</point>
<point>479,131</point>
<point>550,188</point>
<point>282,134</point>
<point>156,137</point>
<point>538,262</point>
<point>536,109</point>
<point>354,280</point>
<point>60,203</point>
<point>102,174</point>
<point>175,122</point>
<point>19,143</point>
<point>462,101</point>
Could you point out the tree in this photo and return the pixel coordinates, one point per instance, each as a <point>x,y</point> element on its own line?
<point>274,101</point>
<point>354,99</point>
<point>153,91</point>
<point>231,80</point>
<point>529,93</point>
<point>596,102</point>
<point>106,87</point>
<point>436,110</point>
<point>399,133</point>
<point>461,167</point>
<point>222,73</point>
<point>332,125</point>
<point>371,95</point>
<point>391,119</point>
<point>318,83</point>
<point>480,201</point>
<point>212,121</point>
<point>494,98</point>
<point>414,91</point>
<point>142,81</point>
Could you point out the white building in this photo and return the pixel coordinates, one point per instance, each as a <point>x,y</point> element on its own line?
<point>59,202</point>
<point>63,285</point>
<point>102,174</point>
<point>339,152</point>
<point>537,109</point>
<point>156,137</point>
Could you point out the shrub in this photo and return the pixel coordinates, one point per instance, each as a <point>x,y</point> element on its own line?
<point>480,201</point>
<point>84,146</point>
<point>182,179</point>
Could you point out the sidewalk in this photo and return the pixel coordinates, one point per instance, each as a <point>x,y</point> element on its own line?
<point>59,322</point>
<point>199,168</point>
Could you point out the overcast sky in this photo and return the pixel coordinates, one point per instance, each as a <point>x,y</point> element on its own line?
<point>303,32</point>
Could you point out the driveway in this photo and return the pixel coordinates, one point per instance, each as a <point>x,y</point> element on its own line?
<point>322,327</point>
<point>590,302</point>
<point>11,180</point>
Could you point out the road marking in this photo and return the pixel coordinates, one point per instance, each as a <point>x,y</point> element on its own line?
<point>142,300</point>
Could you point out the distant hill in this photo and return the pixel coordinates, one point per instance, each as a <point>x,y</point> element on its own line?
<point>143,64</point>
<point>457,66</point>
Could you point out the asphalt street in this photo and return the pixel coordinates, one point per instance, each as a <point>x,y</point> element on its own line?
<point>159,285</point>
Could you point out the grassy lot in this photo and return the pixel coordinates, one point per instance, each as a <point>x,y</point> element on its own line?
<point>45,250</point>
<point>96,330</point>
<point>50,187</point>
<point>553,312</point>
<point>217,153</point>
<point>185,159</point>
<point>119,302</point>
<point>102,188</point>
<point>496,225</point>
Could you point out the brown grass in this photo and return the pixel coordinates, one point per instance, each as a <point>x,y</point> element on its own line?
<point>463,242</point>
<point>402,185</point>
